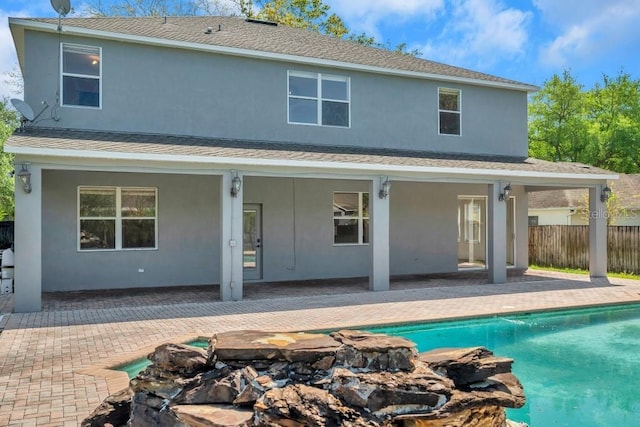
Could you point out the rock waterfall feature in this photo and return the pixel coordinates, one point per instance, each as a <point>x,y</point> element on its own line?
<point>346,378</point>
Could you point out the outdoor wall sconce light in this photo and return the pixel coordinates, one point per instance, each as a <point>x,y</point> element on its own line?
<point>236,184</point>
<point>606,193</point>
<point>25,178</point>
<point>385,185</point>
<point>506,192</point>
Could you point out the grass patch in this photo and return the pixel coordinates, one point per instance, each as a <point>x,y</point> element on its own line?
<point>580,271</point>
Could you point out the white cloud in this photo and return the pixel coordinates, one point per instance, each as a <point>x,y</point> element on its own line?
<point>480,33</point>
<point>385,7</point>
<point>367,15</point>
<point>595,31</point>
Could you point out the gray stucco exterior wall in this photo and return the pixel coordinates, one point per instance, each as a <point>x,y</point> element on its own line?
<point>185,92</point>
<point>423,234</point>
<point>188,234</point>
<point>297,231</point>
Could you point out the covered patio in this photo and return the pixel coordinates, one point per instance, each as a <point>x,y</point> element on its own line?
<point>408,213</point>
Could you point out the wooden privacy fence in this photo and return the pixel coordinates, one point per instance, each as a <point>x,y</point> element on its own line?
<point>567,246</point>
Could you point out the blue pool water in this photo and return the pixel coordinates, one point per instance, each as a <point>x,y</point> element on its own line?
<point>578,367</point>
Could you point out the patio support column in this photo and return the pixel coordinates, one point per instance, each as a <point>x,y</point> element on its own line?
<point>597,233</point>
<point>497,232</point>
<point>378,236</point>
<point>28,243</point>
<point>522,230</point>
<point>231,215</point>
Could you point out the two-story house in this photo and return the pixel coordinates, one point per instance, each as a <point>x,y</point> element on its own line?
<point>218,150</point>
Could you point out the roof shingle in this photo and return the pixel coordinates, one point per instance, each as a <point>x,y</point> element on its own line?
<point>236,32</point>
<point>44,139</point>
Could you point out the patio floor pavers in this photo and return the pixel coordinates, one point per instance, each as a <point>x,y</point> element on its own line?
<point>45,356</point>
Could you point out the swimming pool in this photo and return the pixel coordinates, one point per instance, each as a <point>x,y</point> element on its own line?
<point>578,367</point>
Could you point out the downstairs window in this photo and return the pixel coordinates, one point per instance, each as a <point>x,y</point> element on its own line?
<point>350,218</point>
<point>116,218</point>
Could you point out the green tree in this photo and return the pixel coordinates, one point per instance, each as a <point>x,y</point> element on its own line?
<point>557,121</point>
<point>600,126</point>
<point>614,116</point>
<point>309,14</point>
<point>8,123</point>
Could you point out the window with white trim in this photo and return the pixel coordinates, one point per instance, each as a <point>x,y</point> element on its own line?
<point>114,218</point>
<point>81,75</point>
<point>449,111</point>
<point>350,218</point>
<point>318,99</point>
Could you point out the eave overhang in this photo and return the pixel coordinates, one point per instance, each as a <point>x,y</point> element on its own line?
<point>293,165</point>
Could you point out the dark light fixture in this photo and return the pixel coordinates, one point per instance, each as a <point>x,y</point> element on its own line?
<point>385,185</point>
<point>236,184</point>
<point>506,192</point>
<point>25,178</point>
<point>606,193</point>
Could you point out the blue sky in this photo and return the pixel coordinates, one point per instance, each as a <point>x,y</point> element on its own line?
<point>523,40</point>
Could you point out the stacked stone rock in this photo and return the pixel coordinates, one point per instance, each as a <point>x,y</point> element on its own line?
<point>347,378</point>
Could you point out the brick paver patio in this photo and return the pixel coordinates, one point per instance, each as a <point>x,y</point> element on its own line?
<point>52,363</point>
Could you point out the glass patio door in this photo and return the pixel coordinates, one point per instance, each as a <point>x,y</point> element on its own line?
<point>252,241</point>
<point>472,232</point>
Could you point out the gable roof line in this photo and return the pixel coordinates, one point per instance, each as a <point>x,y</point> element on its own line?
<point>317,164</point>
<point>249,53</point>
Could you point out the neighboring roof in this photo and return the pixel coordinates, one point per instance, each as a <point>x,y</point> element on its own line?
<point>240,37</point>
<point>113,145</point>
<point>626,189</point>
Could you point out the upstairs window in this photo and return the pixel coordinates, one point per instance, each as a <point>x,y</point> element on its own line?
<point>318,99</point>
<point>449,111</point>
<point>350,218</point>
<point>81,75</point>
<point>117,218</point>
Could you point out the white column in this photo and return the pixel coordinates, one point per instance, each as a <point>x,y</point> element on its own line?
<point>597,233</point>
<point>28,243</point>
<point>378,237</point>
<point>522,230</point>
<point>231,260</point>
<point>497,232</point>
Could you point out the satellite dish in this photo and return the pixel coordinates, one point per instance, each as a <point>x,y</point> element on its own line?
<point>61,6</point>
<point>24,109</point>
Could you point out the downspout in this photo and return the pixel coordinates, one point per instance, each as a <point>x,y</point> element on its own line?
<point>572,211</point>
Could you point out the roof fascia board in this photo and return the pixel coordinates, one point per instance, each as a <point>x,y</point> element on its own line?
<point>43,26</point>
<point>17,32</point>
<point>240,161</point>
